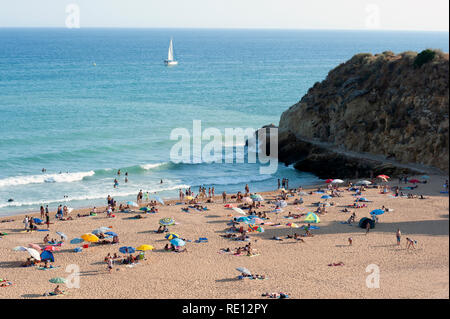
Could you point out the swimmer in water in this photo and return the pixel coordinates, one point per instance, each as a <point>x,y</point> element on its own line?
<point>161,182</point>
<point>116,183</point>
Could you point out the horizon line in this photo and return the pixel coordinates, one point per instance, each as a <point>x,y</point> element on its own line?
<point>222,28</point>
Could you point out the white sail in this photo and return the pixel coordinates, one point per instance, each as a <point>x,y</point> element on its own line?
<point>170,54</point>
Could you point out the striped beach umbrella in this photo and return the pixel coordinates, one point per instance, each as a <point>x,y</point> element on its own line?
<point>167,221</point>
<point>62,234</point>
<point>171,236</point>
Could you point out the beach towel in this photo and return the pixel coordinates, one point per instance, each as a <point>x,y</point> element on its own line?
<point>51,267</point>
<point>202,240</point>
<point>444,192</point>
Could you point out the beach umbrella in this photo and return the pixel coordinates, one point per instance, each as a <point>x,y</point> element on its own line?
<point>384,177</point>
<point>414,181</point>
<point>171,236</point>
<point>362,199</point>
<point>166,221</point>
<point>257,228</point>
<point>34,253</point>
<point>159,199</point>
<point>363,183</point>
<point>256,220</point>
<point>62,234</point>
<point>326,196</point>
<point>337,181</point>
<point>238,210</point>
<point>189,197</point>
<point>19,248</point>
<point>77,241</point>
<point>178,242</point>
<point>127,250</point>
<point>50,248</point>
<point>58,280</point>
<point>328,180</point>
<point>244,270</point>
<point>37,220</point>
<point>97,231</point>
<point>145,247</point>
<point>144,209</point>
<point>130,203</point>
<point>312,218</point>
<point>34,246</point>
<point>242,219</point>
<point>91,238</point>
<point>47,255</point>
<point>111,233</point>
<point>256,197</point>
<point>293,225</point>
<point>377,212</point>
<point>247,200</point>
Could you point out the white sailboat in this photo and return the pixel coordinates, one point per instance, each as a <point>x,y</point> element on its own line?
<point>170,61</point>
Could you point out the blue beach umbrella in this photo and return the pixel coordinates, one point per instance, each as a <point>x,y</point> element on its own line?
<point>178,242</point>
<point>242,219</point>
<point>130,203</point>
<point>111,233</point>
<point>362,199</point>
<point>127,250</point>
<point>377,212</point>
<point>76,241</point>
<point>159,199</point>
<point>326,197</point>
<point>37,220</point>
<point>62,234</point>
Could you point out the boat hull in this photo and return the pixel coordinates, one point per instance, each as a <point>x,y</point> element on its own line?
<point>170,63</point>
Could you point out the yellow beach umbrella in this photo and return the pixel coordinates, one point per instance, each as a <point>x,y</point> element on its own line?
<point>90,238</point>
<point>189,197</point>
<point>145,247</point>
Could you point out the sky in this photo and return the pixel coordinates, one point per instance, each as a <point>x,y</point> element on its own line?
<point>424,15</point>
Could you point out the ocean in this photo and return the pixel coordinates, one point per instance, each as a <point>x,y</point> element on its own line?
<point>83,103</point>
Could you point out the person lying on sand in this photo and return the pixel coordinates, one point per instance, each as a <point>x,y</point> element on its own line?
<point>336,264</point>
<point>161,229</point>
<point>277,295</point>
<point>277,238</point>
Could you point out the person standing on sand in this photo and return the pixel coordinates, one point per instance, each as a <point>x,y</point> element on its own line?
<point>350,241</point>
<point>224,197</point>
<point>410,243</point>
<point>42,212</point>
<point>110,264</point>
<point>247,189</point>
<point>278,184</point>
<point>212,191</point>
<point>367,227</point>
<point>398,235</point>
<point>287,184</point>
<point>47,219</point>
<point>25,221</point>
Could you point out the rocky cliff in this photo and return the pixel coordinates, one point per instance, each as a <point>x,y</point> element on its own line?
<point>391,107</point>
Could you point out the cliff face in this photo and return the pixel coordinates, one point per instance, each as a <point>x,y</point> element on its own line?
<point>388,105</point>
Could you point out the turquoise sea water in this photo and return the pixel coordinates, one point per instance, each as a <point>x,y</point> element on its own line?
<point>60,112</point>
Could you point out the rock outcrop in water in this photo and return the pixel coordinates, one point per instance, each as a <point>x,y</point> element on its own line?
<point>373,114</point>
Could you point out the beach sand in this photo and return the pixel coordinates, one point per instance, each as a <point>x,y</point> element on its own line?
<point>299,269</point>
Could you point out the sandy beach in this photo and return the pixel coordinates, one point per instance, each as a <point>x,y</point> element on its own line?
<point>299,269</point>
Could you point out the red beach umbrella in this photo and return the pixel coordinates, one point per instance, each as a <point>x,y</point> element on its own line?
<point>383,176</point>
<point>328,180</point>
<point>414,181</point>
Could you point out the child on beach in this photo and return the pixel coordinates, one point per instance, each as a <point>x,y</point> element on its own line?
<point>398,235</point>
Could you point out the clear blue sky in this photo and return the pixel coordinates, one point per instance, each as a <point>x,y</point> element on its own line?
<point>296,14</point>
